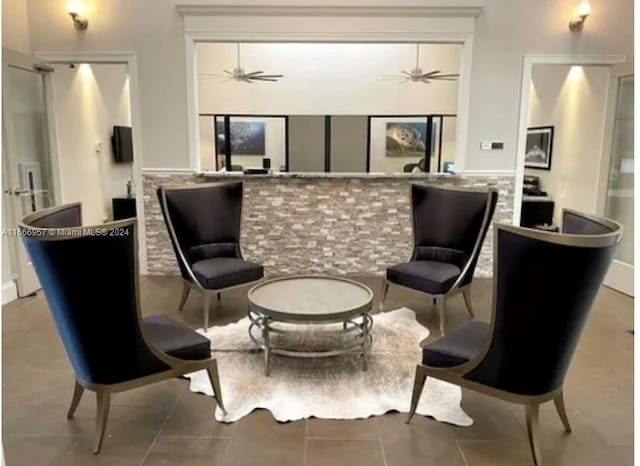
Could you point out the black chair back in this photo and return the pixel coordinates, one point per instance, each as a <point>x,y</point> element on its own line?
<point>203,220</point>
<point>545,285</point>
<point>577,223</point>
<point>448,224</point>
<point>89,278</point>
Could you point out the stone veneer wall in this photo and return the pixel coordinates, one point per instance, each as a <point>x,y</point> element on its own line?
<point>321,224</point>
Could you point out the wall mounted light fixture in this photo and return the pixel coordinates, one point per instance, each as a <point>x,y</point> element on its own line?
<point>75,10</point>
<point>583,11</point>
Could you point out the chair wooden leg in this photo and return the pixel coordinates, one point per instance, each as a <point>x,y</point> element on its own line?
<point>219,296</point>
<point>418,385</point>
<point>78,390</point>
<point>212,372</point>
<point>558,400</point>
<point>206,305</point>
<point>186,288</point>
<point>440,306</point>
<point>383,296</point>
<point>532,413</point>
<point>103,399</point>
<point>466,294</point>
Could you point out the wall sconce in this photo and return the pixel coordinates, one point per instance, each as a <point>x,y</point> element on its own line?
<point>577,22</point>
<point>75,10</point>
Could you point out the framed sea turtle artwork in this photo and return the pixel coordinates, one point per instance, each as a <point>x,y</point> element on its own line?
<point>407,139</point>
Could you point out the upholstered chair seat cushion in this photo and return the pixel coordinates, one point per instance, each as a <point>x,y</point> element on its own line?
<point>428,276</point>
<point>176,339</point>
<point>458,346</point>
<point>223,272</point>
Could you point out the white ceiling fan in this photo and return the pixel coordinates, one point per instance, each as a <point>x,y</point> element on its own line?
<point>417,75</point>
<point>238,73</point>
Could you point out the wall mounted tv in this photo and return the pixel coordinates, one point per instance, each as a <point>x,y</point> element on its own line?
<point>122,144</point>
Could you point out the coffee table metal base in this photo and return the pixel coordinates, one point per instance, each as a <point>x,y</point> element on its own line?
<point>359,327</point>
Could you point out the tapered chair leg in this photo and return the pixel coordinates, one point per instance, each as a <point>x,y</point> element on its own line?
<point>532,413</point>
<point>185,294</point>
<point>103,399</point>
<point>206,305</point>
<point>440,306</point>
<point>466,294</point>
<point>383,296</point>
<point>212,372</point>
<point>219,296</point>
<point>418,385</point>
<point>558,400</point>
<point>78,390</point>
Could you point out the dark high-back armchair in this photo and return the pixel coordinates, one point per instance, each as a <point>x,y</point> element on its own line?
<point>544,287</point>
<point>204,221</point>
<point>449,226</point>
<point>89,276</point>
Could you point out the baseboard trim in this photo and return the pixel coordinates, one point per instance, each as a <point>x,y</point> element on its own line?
<point>9,292</point>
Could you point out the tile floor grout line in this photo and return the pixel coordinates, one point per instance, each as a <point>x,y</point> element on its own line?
<point>306,440</point>
<point>383,451</point>
<point>464,458</point>
<point>155,439</point>
<point>233,433</point>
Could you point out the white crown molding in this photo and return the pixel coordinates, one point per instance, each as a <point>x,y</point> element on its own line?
<point>466,10</point>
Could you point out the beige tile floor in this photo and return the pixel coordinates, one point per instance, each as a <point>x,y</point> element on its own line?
<point>165,424</point>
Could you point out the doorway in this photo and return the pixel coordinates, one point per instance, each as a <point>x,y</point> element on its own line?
<point>564,142</point>
<point>586,86</point>
<point>620,187</point>
<point>78,111</point>
<point>28,181</point>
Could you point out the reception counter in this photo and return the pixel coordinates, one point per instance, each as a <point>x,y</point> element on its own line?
<point>321,223</point>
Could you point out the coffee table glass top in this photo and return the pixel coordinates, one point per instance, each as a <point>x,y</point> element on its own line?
<point>310,297</point>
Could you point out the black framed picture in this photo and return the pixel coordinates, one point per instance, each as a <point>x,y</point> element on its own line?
<point>247,137</point>
<point>539,147</point>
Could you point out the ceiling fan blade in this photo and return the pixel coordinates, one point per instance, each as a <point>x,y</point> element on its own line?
<point>406,73</point>
<point>430,73</point>
<point>443,78</point>
<point>263,78</point>
<point>253,73</point>
<point>229,72</point>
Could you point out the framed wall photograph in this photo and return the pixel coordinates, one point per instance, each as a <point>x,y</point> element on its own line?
<point>247,137</point>
<point>406,139</point>
<point>539,147</point>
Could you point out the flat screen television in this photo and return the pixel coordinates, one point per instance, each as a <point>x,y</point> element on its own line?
<point>122,144</point>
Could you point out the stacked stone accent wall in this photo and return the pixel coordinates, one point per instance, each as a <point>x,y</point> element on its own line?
<point>321,224</point>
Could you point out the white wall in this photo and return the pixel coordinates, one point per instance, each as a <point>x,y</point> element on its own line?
<point>326,79</point>
<point>15,26</point>
<point>573,101</point>
<point>504,33</point>
<point>89,101</point>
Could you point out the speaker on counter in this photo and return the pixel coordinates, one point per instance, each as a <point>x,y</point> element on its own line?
<point>266,162</point>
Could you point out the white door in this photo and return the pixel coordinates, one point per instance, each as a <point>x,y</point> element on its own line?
<point>27,182</point>
<point>620,188</point>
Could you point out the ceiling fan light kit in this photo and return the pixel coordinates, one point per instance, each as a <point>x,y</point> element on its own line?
<point>416,75</point>
<point>239,74</point>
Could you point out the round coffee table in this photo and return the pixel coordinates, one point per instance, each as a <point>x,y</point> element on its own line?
<point>311,300</point>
